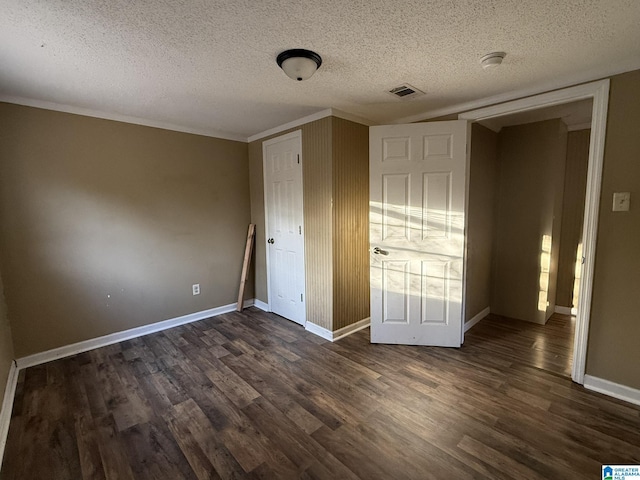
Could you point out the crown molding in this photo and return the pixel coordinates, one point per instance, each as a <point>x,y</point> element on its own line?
<point>88,112</point>
<point>589,76</point>
<point>293,124</point>
<point>328,112</point>
<point>352,117</point>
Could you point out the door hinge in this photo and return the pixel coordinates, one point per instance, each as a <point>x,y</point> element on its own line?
<point>300,229</point>
<point>298,158</point>
<point>301,298</point>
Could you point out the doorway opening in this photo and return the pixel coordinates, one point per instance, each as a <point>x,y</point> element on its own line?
<point>590,97</point>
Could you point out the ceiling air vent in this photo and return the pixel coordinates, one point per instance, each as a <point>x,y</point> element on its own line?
<point>405,91</point>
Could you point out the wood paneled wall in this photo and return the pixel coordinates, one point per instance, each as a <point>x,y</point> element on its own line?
<point>350,222</point>
<point>316,178</point>
<point>316,174</point>
<point>335,173</point>
<point>575,185</point>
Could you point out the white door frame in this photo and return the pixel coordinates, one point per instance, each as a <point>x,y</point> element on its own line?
<point>296,134</point>
<point>599,93</point>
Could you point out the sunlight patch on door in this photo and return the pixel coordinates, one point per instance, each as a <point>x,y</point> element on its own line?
<point>435,292</point>
<point>396,291</point>
<point>436,205</point>
<point>396,213</point>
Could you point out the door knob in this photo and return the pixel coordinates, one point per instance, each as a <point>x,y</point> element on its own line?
<point>271,241</point>
<point>379,251</point>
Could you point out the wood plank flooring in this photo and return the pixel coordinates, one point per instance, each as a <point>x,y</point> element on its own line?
<point>251,395</point>
<point>549,347</point>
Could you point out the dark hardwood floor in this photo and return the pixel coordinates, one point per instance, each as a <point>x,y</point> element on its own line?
<point>549,347</point>
<point>252,395</point>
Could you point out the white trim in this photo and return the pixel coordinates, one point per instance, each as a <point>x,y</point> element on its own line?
<point>513,95</point>
<point>293,124</point>
<point>599,92</point>
<point>615,390</point>
<point>328,112</point>
<point>340,333</point>
<point>261,305</point>
<point>557,97</point>
<point>476,318</point>
<point>352,118</point>
<point>86,345</point>
<point>88,112</point>
<point>590,226</point>
<point>565,310</point>
<point>465,261</point>
<point>319,331</point>
<point>7,406</point>
<point>579,126</point>
<point>349,329</point>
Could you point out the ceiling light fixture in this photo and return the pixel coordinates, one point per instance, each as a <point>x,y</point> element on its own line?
<point>298,63</point>
<point>492,60</point>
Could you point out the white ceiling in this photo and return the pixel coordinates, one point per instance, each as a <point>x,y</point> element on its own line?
<point>208,66</point>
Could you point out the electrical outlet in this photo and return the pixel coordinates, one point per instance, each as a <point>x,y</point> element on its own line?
<point>195,288</point>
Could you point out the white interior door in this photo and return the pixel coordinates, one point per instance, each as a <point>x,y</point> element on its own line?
<point>417,221</point>
<point>284,222</point>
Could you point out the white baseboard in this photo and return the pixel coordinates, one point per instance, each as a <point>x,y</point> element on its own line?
<point>476,318</point>
<point>349,329</point>
<point>7,406</point>
<point>86,345</point>
<point>338,334</point>
<point>565,310</point>
<point>261,305</point>
<point>621,392</point>
<point>318,330</point>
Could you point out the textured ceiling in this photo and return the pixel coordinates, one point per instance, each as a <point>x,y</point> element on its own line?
<point>210,65</point>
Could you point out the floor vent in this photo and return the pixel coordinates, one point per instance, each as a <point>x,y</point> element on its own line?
<point>405,91</point>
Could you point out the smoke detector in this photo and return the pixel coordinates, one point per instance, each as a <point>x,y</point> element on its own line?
<point>492,60</point>
<point>405,91</point>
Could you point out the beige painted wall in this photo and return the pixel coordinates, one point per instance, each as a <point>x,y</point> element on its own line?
<point>6,344</point>
<point>104,226</point>
<point>350,147</point>
<point>483,183</point>
<point>575,184</point>
<point>613,352</point>
<point>529,206</point>
<point>316,178</point>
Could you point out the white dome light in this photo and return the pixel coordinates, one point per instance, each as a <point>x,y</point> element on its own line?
<point>299,64</point>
